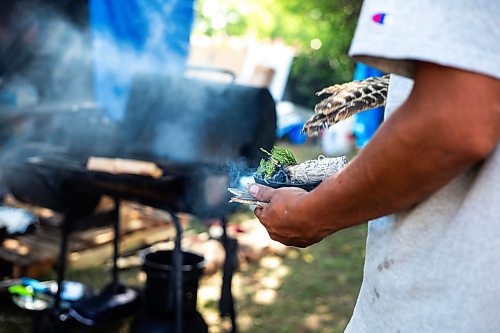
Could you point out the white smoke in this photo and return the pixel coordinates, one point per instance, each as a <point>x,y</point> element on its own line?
<point>15,220</point>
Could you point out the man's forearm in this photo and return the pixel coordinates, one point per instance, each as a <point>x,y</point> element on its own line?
<point>429,140</point>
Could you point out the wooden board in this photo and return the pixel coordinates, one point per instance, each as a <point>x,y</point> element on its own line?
<point>37,253</point>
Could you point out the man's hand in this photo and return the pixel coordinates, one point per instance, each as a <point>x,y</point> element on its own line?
<point>283,217</point>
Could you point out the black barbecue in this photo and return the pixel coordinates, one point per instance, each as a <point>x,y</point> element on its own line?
<point>197,131</point>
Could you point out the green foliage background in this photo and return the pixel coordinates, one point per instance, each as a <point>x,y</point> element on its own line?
<point>296,22</point>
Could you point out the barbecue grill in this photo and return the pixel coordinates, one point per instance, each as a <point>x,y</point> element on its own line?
<point>196,131</point>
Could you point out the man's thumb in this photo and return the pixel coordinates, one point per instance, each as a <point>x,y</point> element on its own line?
<point>260,192</point>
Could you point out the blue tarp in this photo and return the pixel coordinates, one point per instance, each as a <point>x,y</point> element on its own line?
<point>367,122</point>
<point>132,36</point>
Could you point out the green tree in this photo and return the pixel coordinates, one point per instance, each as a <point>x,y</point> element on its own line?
<point>320,30</point>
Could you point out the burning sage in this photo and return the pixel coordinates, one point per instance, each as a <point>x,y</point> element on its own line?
<point>281,169</point>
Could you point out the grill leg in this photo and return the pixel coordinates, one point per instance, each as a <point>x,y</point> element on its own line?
<point>177,273</point>
<point>116,243</point>
<point>51,319</point>
<point>63,253</point>
<point>226,304</point>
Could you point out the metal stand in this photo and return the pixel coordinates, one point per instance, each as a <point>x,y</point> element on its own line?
<point>226,304</point>
<point>116,243</point>
<point>177,274</point>
<point>52,319</point>
<point>61,268</point>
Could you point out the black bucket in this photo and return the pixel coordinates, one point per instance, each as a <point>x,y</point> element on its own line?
<point>158,289</point>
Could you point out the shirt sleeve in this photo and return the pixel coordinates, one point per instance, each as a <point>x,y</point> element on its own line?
<point>391,35</point>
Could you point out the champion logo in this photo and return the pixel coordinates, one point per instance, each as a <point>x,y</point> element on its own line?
<point>380,18</point>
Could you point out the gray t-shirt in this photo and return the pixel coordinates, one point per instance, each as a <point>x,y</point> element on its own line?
<point>435,267</point>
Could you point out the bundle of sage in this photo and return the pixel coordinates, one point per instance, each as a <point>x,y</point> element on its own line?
<point>281,169</point>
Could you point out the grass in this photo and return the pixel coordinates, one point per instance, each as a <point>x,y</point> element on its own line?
<point>309,290</point>
<point>319,292</point>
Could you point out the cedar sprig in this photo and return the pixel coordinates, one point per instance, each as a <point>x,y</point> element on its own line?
<point>278,158</point>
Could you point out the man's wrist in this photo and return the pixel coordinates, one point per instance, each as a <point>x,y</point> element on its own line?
<point>320,209</point>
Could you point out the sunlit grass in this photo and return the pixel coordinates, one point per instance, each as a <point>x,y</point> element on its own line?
<point>310,290</point>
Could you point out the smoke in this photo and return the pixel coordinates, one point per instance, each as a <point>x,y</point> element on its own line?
<point>54,68</point>
<point>240,174</point>
<point>66,64</point>
<point>15,220</point>
<point>61,64</point>
<point>151,111</point>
